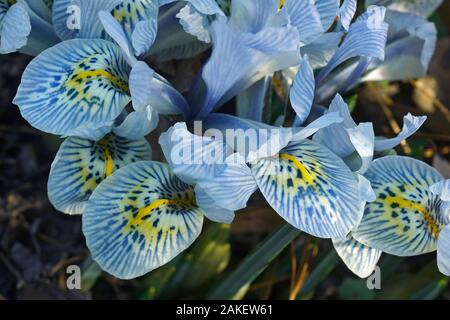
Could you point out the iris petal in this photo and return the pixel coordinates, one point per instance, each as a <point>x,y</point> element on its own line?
<point>139,219</point>
<point>74,88</point>
<point>311,188</point>
<point>80,165</point>
<point>404,220</point>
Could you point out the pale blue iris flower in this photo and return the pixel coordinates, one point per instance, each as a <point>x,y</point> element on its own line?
<point>319,174</point>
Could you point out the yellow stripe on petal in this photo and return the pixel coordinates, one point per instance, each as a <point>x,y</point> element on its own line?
<point>281,4</point>
<point>403,203</point>
<point>81,78</point>
<point>306,174</point>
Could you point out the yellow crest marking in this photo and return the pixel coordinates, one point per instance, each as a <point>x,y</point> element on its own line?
<point>281,4</point>
<point>410,205</point>
<point>81,76</point>
<point>12,2</point>
<point>306,175</point>
<point>109,163</point>
<point>139,220</point>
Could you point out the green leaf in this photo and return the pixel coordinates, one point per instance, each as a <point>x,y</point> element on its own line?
<point>319,273</point>
<point>253,265</point>
<point>90,272</point>
<point>355,289</point>
<point>209,256</point>
<point>202,263</point>
<point>156,282</point>
<point>425,283</point>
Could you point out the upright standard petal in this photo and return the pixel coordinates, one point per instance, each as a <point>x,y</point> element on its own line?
<point>347,12</point>
<point>74,88</point>
<point>420,7</point>
<point>366,37</point>
<point>115,30</point>
<point>79,18</point>
<point>360,259</point>
<point>405,218</point>
<point>328,10</point>
<point>305,16</point>
<point>410,46</point>
<point>15,27</point>
<point>302,91</point>
<point>139,219</point>
<point>410,125</point>
<point>250,103</point>
<point>311,188</point>
<point>241,59</point>
<point>80,165</point>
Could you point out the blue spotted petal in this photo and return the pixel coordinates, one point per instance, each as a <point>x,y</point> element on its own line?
<point>360,259</point>
<point>81,165</point>
<point>15,27</point>
<point>192,157</point>
<point>74,88</point>
<point>347,12</point>
<point>139,219</point>
<point>366,37</point>
<point>410,46</point>
<point>79,18</point>
<point>302,91</point>
<point>231,187</point>
<point>311,188</point>
<point>138,124</point>
<point>410,125</point>
<point>305,16</point>
<point>404,220</point>
<point>443,251</point>
<point>420,7</point>
<point>149,88</point>
<point>212,210</point>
